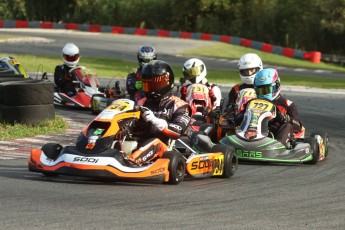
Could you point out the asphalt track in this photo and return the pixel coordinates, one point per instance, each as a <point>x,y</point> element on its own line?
<point>256,197</point>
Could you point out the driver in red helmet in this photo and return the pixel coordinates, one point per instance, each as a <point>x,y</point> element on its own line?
<point>168,115</point>
<point>62,78</point>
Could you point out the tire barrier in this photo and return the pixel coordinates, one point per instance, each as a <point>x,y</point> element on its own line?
<point>313,56</point>
<point>27,114</point>
<point>26,101</point>
<point>32,92</point>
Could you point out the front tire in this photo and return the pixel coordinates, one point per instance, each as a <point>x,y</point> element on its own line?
<point>325,139</point>
<point>314,146</point>
<point>177,166</point>
<point>230,159</point>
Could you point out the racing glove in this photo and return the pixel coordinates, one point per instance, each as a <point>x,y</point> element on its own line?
<point>283,118</point>
<point>212,95</point>
<point>160,124</point>
<point>138,85</point>
<point>183,91</point>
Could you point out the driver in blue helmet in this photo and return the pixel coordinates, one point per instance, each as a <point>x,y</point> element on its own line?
<point>287,121</point>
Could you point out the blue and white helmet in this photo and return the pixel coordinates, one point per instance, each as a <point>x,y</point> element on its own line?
<point>146,54</point>
<point>267,84</point>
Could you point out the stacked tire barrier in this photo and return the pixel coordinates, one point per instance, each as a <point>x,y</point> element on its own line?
<point>25,101</point>
<point>313,56</point>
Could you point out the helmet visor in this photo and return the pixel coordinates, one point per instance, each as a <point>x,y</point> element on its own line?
<point>71,58</point>
<point>193,72</point>
<point>155,84</point>
<point>263,90</point>
<point>146,59</point>
<point>249,72</point>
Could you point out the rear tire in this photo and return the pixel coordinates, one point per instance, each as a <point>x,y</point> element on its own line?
<point>27,92</point>
<point>314,146</point>
<point>177,166</point>
<point>27,114</point>
<point>230,159</point>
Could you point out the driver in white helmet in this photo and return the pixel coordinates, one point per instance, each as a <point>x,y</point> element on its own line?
<point>194,71</point>
<point>248,66</point>
<point>62,78</point>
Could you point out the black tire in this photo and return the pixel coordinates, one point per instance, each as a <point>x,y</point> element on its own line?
<point>7,78</point>
<point>29,114</point>
<point>314,146</point>
<point>230,159</point>
<point>52,150</point>
<point>29,92</point>
<point>177,166</point>
<point>325,138</point>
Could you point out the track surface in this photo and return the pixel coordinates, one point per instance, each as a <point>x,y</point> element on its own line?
<point>256,197</point>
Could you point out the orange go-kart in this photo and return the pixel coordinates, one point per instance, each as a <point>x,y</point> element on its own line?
<point>106,145</point>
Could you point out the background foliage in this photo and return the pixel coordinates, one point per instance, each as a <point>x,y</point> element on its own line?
<point>307,25</point>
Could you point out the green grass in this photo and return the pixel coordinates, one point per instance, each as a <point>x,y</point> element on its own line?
<point>10,132</point>
<point>109,67</point>
<point>227,51</point>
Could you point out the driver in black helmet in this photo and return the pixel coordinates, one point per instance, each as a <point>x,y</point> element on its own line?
<point>168,115</point>
<point>145,54</point>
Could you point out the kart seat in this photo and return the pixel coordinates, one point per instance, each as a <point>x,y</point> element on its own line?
<point>201,141</point>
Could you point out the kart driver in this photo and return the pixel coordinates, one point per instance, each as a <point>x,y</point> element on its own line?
<point>248,66</point>
<point>145,54</point>
<point>194,71</point>
<point>168,115</point>
<point>62,78</point>
<point>287,120</point>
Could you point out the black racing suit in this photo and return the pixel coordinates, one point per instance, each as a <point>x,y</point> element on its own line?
<point>132,78</point>
<point>174,111</point>
<point>233,94</point>
<point>63,80</point>
<point>283,130</point>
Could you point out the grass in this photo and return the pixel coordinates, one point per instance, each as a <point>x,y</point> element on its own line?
<point>109,67</point>
<point>226,51</point>
<point>9,131</point>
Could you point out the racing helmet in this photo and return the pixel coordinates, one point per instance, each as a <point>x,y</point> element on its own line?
<point>194,70</point>
<point>146,54</point>
<point>267,84</point>
<point>12,64</point>
<point>70,55</point>
<point>158,79</point>
<point>247,62</point>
